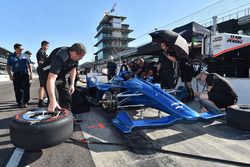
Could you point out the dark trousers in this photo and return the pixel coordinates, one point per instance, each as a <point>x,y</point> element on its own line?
<point>167,78</point>
<point>62,94</point>
<point>21,88</point>
<point>42,76</point>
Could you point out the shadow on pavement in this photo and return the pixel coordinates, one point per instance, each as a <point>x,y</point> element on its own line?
<point>186,131</point>
<point>7,107</point>
<point>5,155</point>
<point>4,142</point>
<point>217,129</point>
<point>29,157</point>
<point>4,135</point>
<point>4,123</point>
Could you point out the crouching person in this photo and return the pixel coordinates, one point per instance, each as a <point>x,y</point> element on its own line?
<point>60,62</point>
<point>220,93</point>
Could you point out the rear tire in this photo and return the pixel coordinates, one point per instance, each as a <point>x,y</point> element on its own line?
<point>238,116</point>
<point>45,133</point>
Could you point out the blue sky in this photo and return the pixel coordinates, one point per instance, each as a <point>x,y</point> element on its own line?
<point>65,22</point>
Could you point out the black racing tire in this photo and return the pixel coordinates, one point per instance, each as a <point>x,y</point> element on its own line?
<point>41,134</point>
<point>238,116</point>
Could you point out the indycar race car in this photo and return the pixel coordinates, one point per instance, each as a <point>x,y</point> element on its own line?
<point>126,91</point>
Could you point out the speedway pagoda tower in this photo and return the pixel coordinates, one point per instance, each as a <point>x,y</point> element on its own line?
<point>112,36</point>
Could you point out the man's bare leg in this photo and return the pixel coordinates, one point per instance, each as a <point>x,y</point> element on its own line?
<point>40,97</point>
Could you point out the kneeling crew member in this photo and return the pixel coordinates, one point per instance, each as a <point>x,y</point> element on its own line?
<point>220,93</point>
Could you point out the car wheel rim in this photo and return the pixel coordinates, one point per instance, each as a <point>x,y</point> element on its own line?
<point>38,115</point>
<point>107,100</point>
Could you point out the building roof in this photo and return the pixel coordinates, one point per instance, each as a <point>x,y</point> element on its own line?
<point>123,28</point>
<point>108,17</point>
<point>110,47</point>
<point>4,52</point>
<point>111,38</point>
<point>188,31</point>
<point>151,48</point>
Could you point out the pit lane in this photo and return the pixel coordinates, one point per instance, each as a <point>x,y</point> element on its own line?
<point>214,139</point>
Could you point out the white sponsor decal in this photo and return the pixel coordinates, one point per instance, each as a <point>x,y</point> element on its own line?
<point>177,105</point>
<point>46,68</point>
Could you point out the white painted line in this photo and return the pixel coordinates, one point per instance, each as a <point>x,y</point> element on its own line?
<point>15,158</point>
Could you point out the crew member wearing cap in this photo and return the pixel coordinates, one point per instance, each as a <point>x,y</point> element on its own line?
<point>61,61</point>
<point>165,67</point>
<point>21,73</point>
<point>220,93</point>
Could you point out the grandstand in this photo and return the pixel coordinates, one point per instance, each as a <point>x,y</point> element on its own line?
<point>3,59</point>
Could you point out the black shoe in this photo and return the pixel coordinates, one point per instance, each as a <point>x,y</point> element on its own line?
<point>19,105</point>
<point>41,103</point>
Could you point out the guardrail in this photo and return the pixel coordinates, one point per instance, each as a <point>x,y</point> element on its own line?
<point>235,15</point>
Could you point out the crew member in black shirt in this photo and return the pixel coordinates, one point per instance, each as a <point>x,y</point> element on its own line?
<point>41,56</point>
<point>165,67</point>
<point>187,73</point>
<point>112,67</point>
<point>220,93</point>
<point>61,61</point>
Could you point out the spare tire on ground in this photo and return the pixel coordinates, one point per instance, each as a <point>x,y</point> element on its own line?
<point>238,116</point>
<point>36,128</point>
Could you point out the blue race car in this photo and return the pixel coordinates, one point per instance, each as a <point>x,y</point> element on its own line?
<point>127,91</point>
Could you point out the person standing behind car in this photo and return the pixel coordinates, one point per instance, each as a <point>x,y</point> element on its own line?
<point>29,54</point>
<point>124,66</point>
<point>61,61</point>
<point>187,73</point>
<point>20,65</point>
<point>112,67</point>
<point>141,72</point>
<point>41,56</point>
<point>165,67</point>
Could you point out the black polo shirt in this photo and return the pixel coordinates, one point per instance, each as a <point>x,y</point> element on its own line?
<point>59,63</point>
<point>165,62</point>
<point>111,66</point>
<point>41,55</point>
<point>220,86</point>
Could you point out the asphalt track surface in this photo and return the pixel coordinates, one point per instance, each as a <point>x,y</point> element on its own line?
<point>212,139</point>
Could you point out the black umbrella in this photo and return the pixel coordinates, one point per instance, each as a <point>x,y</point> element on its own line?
<point>177,41</point>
